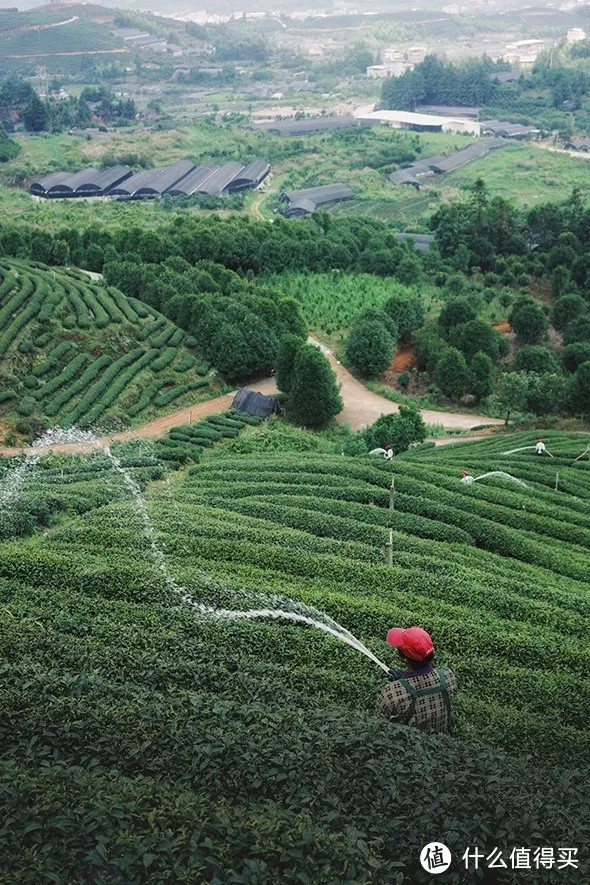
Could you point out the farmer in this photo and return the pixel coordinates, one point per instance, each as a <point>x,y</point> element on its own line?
<point>540,447</point>
<point>388,453</point>
<point>467,479</point>
<point>420,695</point>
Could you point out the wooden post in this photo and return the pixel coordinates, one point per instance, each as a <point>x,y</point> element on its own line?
<point>389,548</point>
<point>557,480</point>
<point>392,494</point>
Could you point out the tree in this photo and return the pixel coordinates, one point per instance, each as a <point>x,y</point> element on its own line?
<point>409,270</point>
<point>480,375</point>
<point>476,336</point>
<point>459,310</point>
<point>547,393</point>
<point>566,309</point>
<point>370,346</point>
<point>398,431</point>
<point>429,346</point>
<point>512,392</point>
<point>35,115</point>
<point>577,330</point>
<point>574,355</point>
<point>288,349</point>
<point>581,389</point>
<point>406,312</point>
<point>528,321</point>
<point>535,358</point>
<point>451,374</point>
<point>314,399</point>
<point>560,281</point>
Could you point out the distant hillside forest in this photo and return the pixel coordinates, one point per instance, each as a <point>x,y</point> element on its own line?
<point>551,95</point>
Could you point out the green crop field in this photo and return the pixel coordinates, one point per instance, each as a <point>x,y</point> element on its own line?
<point>140,742</point>
<point>73,351</point>
<point>330,301</point>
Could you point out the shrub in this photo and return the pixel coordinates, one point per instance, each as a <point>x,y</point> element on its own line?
<point>451,374</point>
<point>397,430</point>
<point>27,406</point>
<point>313,398</point>
<point>475,336</point>
<point>528,321</point>
<point>574,355</point>
<point>566,309</point>
<point>534,358</point>
<point>370,346</point>
<point>480,375</point>
<point>577,330</point>
<point>289,346</point>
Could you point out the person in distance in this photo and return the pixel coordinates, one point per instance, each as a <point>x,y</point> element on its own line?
<point>420,695</point>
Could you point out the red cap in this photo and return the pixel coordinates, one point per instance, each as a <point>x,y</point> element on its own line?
<point>388,446</point>
<point>539,440</point>
<point>465,473</point>
<point>415,643</point>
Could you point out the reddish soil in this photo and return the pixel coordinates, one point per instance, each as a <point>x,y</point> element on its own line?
<point>404,358</point>
<point>503,326</point>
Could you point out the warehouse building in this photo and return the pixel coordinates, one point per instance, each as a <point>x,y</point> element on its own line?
<point>422,122</point>
<point>193,182</point>
<point>306,201</point>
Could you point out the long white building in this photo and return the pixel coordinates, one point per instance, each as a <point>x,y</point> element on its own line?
<point>421,122</point>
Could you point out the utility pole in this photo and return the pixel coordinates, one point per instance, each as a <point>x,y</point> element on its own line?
<point>389,548</point>
<point>392,494</point>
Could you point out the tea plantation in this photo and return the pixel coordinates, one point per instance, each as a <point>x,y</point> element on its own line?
<point>73,351</point>
<point>139,743</point>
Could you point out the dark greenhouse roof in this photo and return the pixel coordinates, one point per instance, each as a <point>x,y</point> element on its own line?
<point>508,130</point>
<point>441,164</point>
<point>42,185</point>
<point>304,127</point>
<point>255,403</point>
<point>325,193</point>
<point>137,181</point>
<point>403,176</point>
<point>300,207</point>
<point>193,182</point>
<point>422,242</point>
<point>250,176</point>
<point>220,179</point>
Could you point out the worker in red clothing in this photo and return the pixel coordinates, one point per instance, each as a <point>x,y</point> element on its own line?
<point>420,695</point>
<point>540,448</point>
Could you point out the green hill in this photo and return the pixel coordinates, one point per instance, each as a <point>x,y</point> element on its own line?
<point>141,743</point>
<point>73,351</point>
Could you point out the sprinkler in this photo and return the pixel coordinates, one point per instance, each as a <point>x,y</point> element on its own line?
<point>468,479</point>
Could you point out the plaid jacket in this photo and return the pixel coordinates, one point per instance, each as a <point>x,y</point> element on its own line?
<point>430,712</point>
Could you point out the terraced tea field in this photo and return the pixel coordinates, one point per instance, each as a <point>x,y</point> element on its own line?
<point>141,743</point>
<point>73,351</point>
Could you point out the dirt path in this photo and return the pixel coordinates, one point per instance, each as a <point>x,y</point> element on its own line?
<point>255,210</point>
<point>361,407</point>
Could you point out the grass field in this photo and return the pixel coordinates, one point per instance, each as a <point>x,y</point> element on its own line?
<point>522,172</point>
<point>73,351</point>
<point>139,741</point>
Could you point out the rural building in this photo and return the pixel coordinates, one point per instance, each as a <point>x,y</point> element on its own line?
<point>439,165</point>
<point>254,403</point>
<point>308,126</point>
<point>194,181</point>
<point>503,129</point>
<point>423,242</point>
<point>505,76</point>
<point>153,182</point>
<point>251,176</point>
<point>306,201</point>
<point>578,144</point>
<point>180,179</point>
<point>422,122</point>
<point>87,182</point>
<point>525,52</point>
<point>445,110</point>
<point>575,35</point>
<point>217,183</point>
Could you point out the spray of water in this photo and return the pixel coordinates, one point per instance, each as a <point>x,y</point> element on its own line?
<point>501,475</point>
<point>14,479</point>
<point>304,614</point>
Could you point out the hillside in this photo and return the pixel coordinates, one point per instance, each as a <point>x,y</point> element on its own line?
<point>141,743</point>
<point>73,351</point>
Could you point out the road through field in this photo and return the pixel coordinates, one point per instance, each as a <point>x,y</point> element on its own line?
<point>361,408</point>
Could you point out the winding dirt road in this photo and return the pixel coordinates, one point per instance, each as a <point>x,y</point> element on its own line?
<point>361,408</point>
